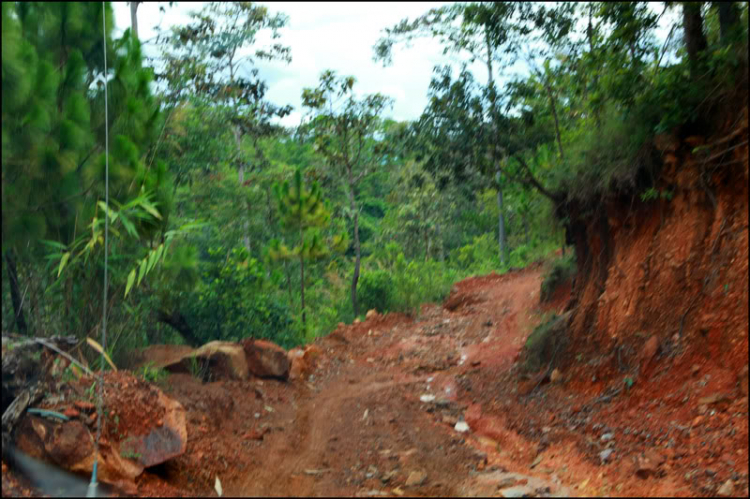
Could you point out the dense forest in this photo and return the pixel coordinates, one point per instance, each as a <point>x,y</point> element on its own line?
<point>224,225</point>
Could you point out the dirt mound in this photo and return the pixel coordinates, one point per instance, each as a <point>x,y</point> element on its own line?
<point>141,428</point>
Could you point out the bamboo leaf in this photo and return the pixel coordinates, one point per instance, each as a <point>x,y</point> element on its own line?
<point>63,261</point>
<point>151,209</point>
<point>159,252</point>
<point>151,261</point>
<point>96,346</point>
<point>142,270</point>
<point>131,279</point>
<point>54,244</point>
<point>128,225</point>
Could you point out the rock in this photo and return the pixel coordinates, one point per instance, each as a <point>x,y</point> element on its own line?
<point>416,478</point>
<point>450,420</point>
<point>715,398</point>
<point>357,321</point>
<point>555,376</point>
<point>607,437</point>
<point>695,369</point>
<point>461,427</point>
<point>71,413</point>
<point>647,464</point>
<point>726,489</point>
<point>387,477</point>
<point>371,313</point>
<point>649,350</point>
<point>298,367</point>
<point>266,359</point>
<point>427,398</point>
<point>605,455</point>
<point>742,377</point>
<point>517,491</point>
<point>227,359</point>
<point>162,442</point>
<point>536,461</point>
<point>506,482</point>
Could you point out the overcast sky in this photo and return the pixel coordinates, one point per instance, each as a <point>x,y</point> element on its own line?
<point>338,36</point>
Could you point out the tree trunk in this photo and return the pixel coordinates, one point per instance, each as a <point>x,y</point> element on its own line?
<point>554,115</point>
<point>728,18</point>
<point>695,39</point>
<point>15,295</point>
<point>302,290</point>
<point>441,246</point>
<point>178,322</point>
<point>241,178</point>
<point>500,220</point>
<point>355,277</point>
<point>134,18</point>
<point>493,107</point>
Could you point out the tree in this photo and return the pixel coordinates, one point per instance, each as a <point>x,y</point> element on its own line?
<point>343,128</point>
<point>218,41</point>
<point>301,211</point>
<point>481,30</point>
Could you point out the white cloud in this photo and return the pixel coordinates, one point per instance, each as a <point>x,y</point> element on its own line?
<point>337,36</point>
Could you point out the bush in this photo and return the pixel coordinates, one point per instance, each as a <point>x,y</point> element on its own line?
<point>544,342</point>
<point>562,269</point>
<point>375,290</point>
<point>232,302</point>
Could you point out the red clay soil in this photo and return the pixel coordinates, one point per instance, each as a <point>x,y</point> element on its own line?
<point>356,425</point>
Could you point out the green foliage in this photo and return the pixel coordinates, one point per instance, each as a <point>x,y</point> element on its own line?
<point>543,342</point>
<point>562,270</point>
<point>231,302</point>
<point>376,290</point>
<point>151,374</point>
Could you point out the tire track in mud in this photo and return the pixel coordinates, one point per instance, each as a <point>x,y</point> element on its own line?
<point>315,423</point>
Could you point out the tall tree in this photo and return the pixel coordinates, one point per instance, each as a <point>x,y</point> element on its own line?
<point>480,30</point>
<point>213,57</point>
<point>301,211</point>
<point>344,129</point>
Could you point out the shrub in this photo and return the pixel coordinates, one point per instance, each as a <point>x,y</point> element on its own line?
<point>375,290</point>
<point>232,302</point>
<point>562,269</point>
<point>544,342</point>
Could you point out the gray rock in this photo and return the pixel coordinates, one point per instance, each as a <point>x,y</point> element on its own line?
<point>727,489</point>
<point>605,455</point>
<point>519,491</point>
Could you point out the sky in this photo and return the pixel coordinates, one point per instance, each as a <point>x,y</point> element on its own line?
<point>338,36</point>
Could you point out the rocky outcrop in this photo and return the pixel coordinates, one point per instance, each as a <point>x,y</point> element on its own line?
<point>671,270</point>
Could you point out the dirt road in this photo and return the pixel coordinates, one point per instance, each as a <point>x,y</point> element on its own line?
<point>380,416</point>
<point>377,415</point>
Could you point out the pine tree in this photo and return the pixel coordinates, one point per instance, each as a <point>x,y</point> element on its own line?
<point>302,212</point>
<point>53,132</point>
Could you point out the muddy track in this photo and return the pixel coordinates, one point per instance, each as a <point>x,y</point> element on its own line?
<point>373,406</point>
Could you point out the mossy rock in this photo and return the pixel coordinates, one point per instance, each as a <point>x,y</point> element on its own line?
<point>544,341</point>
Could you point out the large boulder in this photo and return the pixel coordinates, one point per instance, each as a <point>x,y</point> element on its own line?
<point>266,359</point>
<point>222,359</point>
<point>225,359</point>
